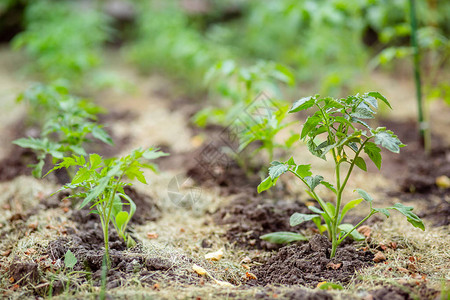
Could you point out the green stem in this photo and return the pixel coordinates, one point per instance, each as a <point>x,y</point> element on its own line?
<point>316,197</point>
<point>334,224</point>
<point>372,212</point>
<point>423,126</point>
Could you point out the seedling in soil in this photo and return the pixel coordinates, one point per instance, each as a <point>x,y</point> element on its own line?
<point>338,127</point>
<point>67,123</point>
<point>100,182</point>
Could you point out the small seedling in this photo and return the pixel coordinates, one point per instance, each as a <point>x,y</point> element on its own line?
<point>99,182</point>
<point>338,128</point>
<point>67,124</point>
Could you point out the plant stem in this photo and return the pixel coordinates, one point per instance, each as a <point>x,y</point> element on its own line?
<point>334,225</point>
<point>372,212</point>
<point>423,126</point>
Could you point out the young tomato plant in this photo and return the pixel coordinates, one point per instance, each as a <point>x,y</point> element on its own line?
<point>338,128</point>
<point>66,125</point>
<point>99,182</point>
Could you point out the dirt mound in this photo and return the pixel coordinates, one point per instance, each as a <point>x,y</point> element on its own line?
<point>250,217</point>
<point>405,292</point>
<point>309,264</point>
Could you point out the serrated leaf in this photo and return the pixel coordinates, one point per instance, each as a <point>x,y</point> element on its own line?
<point>32,143</point>
<point>302,104</point>
<point>283,237</point>
<point>329,186</point>
<point>291,161</point>
<point>303,170</point>
<point>384,211</point>
<point>95,192</point>
<point>102,135</point>
<point>265,184</point>
<point>309,125</point>
<point>298,218</point>
<point>360,163</point>
<point>95,161</point>
<point>388,140</point>
<point>381,97</point>
<point>277,169</point>
<point>365,195</point>
<point>362,113</point>
<point>313,181</point>
<point>410,216</point>
<point>70,260</point>
<point>373,151</point>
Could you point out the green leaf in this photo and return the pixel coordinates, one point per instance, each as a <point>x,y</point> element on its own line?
<point>354,234</point>
<point>302,104</point>
<point>360,163</point>
<point>291,140</point>
<point>329,186</point>
<point>381,97</point>
<point>121,220</point>
<point>277,169</point>
<point>37,169</point>
<point>32,143</point>
<point>283,237</point>
<point>309,125</point>
<point>312,182</point>
<point>303,170</point>
<point>96,191</point>
<point>265,184</point>
<point>373,151</point>
<point>365,195</point>
<point>350,205</point>
<point>102,135</point>
<point>410,216</point>
<point>95,161</point>
<point>298,218</point>
<point>362,113</point>
<point>153,154</point>
<point>388,140</point>
<point>330,286</point>
<point>384,211</point>
<point>70,260</point>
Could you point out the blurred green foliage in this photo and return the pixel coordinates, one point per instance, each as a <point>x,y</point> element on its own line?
<point>62,38</point>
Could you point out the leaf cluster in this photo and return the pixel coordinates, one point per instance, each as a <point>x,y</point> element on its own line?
<point>67,123</point>
<point>338,127</point>
<point>99,182</point>
<point>60,42</point>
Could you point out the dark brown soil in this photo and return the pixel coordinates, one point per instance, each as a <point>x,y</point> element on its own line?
<point>309,264</point>
<point>405,292</point>
<point>24,273</point>
<point>248,217</point>
<point>86,242</point>
<point>211,165</point>
<point>272,293</point>
<point>307,295</point>
<point>416,172</point>
<point>16,163</point>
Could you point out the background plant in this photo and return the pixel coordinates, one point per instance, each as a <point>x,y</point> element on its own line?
<point>338,127</point>
<point>99,183</point>
<point>59,42</point>
<point>66,124</point>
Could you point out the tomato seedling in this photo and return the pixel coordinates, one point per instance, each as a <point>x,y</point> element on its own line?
<point>66,124</point>
<point>99,182</point>
<point>338,127</point>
